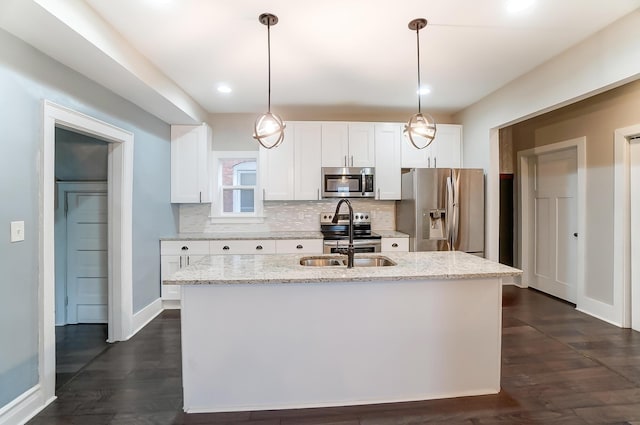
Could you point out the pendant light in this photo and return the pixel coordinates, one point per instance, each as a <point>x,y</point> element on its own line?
<point>269,128</point>
<point>421,128</point>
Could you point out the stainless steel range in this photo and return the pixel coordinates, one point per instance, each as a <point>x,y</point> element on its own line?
<point>337,235</point>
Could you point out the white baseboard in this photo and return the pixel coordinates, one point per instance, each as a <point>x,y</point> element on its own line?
<point>24,407</point>
<point>146,315</point>
<point>171,304</point>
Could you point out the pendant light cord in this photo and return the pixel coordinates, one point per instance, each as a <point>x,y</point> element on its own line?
<point>418,44</point>
<point>269,61</point>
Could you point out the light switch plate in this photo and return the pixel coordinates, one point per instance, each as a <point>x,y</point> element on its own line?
<point>17,231</point>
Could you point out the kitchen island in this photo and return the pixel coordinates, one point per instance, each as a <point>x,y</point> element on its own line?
<point>264,332</point>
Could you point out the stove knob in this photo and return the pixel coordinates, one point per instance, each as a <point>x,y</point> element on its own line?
<point>366,217</point>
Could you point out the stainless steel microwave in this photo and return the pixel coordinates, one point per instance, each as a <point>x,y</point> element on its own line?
<point>348,182</point>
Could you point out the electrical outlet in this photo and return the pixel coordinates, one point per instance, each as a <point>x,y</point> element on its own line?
<point>17,231</point>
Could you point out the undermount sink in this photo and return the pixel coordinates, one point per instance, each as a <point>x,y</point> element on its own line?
<point>369,261</point>
<point>321,261</point>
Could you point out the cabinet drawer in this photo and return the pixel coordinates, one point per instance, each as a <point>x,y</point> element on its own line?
<point>243,247</point>
<point>294,246</point>
<point>192,248</point>
<point>395,244</point>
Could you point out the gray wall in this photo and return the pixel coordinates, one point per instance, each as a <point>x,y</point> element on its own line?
<point>26,78</point>
<point>80,157</point>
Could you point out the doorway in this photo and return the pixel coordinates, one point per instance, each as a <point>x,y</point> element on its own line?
<point>119,234</point>
<point>551,232</point>
<point>626,227</point>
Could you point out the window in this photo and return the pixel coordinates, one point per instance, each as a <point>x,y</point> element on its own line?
<point>236,187</point>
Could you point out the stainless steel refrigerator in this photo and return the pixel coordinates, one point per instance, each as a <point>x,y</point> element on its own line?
<point>442,209</point>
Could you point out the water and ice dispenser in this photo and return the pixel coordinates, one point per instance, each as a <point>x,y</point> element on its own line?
<point>434,224</point>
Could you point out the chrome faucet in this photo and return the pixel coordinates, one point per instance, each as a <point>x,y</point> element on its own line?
<point>350,250</point>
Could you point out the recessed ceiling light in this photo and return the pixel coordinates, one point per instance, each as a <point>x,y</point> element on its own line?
<point>517,6</point>
<point>223,88</point>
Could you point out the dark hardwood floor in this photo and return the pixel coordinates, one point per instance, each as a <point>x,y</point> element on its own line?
<point>559,367</point>
<point>76,347</point>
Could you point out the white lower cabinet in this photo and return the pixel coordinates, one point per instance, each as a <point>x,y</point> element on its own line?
<point>395,244</point>
<point>175,255</point>
<point>299,246</point>
<point>267,246</point>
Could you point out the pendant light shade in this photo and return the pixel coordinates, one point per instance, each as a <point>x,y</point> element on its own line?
<point>421,128</point>
<point>269,128</point>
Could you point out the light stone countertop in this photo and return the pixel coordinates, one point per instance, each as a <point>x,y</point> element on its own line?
<point>267,235</point>
<point>390,234</point>
<point>278,268</point>
<point>244,236</point>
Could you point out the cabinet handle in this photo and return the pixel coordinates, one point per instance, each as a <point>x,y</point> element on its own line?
<point>394,245</point>
<point>352,160</point>
<point>299,247</point>
<point>378,193</point>
<point>435,165</point>
<point>318,194</point>
<point>188,260</point>
<point>200,197</point>
<point>264,194</point>
<point>259,247</point>
<point>345,160</point>
<point>429,162</point>
<point>225,248</point>
<point>180,264</point>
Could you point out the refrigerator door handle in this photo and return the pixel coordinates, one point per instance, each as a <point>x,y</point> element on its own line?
<point>456,209</point>
<point>449,212</point>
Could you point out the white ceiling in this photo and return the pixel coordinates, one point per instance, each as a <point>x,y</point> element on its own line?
<point>349,53</point>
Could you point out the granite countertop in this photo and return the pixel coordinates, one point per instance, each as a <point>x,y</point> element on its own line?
<point>267,235</point>
<point>277,268</point>
<point>244,236</point>
<point>391,234</point>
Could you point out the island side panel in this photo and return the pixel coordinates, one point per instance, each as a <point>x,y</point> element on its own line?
<point>279,346</point>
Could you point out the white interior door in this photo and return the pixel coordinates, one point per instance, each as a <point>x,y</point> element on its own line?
<point>555,224</point>
<point>87,271</point>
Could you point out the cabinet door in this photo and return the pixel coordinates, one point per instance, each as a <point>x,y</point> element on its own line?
<point>335,144</point>
<point>307,141</point>
<point>388,161</point>
<point>190,147</point>
<point>415,158</point>
<point>447,146</point>
<point>243,247</point>
<point>169,264</point>
<point>395,244</point>
<point>361,145</point>
<point>299,246</point>
<point>276,169</point>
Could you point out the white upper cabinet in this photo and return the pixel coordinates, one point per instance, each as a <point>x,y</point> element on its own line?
<point>348,144</point>
<point>388,139</point>
<point>277,169</point>
<point>307,141</point>
<point>444,151</point>
<point>190,147</point>
<point>292,170</point>
<point>361,145</point>
<point>335,144</point>
<point>446,147</point>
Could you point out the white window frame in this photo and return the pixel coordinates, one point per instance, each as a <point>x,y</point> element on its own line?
<point>217,214</point>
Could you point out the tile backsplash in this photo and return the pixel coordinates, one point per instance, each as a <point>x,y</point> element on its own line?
<point>286,216</point>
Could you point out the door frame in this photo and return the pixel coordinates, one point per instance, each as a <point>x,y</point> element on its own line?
<point>524,205</point>
<point>120,189</point>
<point>623,225</point>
